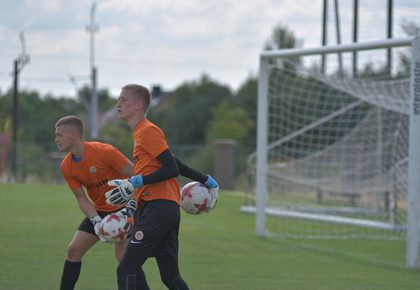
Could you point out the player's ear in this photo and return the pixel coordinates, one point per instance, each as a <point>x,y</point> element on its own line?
<point>139,104</point>
<point>73,133</point>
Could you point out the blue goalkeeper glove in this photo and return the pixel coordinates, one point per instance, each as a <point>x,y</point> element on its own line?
<point>210,182</point>
<point>136,181</point>
<point>213,187</point>
<point>124,189</point>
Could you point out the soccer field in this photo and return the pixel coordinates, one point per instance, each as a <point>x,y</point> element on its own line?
<point>217,251</point>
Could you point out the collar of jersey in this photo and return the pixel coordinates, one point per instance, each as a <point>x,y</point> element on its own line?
<point>76,159</point>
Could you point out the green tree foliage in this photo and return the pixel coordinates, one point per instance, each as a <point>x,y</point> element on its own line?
<point>247,98</point>
<point>196,113</point>
<point>185,115</point>
<point>231,122</point>
<point>410,28</point>
<point>282,38</point>
<point>237,120</point>
<point>37,115</point>
<point>36,118</point>
<point>228,122</point>
<point>119,135</point>
<point>105,101</point>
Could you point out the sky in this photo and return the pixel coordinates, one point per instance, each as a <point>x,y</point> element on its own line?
<point>166,42</point>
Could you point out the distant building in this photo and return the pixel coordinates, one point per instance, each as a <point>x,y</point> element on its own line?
<point>158,96</point>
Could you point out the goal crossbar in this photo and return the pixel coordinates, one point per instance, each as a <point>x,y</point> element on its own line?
<point>369,45</point>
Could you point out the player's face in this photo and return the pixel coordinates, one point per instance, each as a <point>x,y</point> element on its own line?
<point>64,137</point>
<point>128,106</point>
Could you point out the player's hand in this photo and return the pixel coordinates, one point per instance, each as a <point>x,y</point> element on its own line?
<point>128,212</point>
<point>122,193</point>
<point>96,221</point>
<point>213,187</point>
<point>131,207</point>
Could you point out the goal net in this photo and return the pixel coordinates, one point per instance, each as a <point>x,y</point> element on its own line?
<point>333,142</point>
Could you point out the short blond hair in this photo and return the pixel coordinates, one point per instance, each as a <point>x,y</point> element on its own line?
<point>140,92</point>
<point>71,121</point>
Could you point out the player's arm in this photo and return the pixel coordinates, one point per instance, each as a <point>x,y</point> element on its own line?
<point>168,169</point>
<point>125,187</point>
<point>189,172</point>
<point>195,175</point>
<point>88,209</point>
<point>127,170</point>
<point>84,203</point>
<point>116,160</point>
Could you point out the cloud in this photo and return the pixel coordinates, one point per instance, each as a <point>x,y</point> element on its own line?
<point>168,41</point>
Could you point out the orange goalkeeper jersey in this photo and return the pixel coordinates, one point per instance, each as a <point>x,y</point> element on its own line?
<point>150,142</point>
<point>101,162</point>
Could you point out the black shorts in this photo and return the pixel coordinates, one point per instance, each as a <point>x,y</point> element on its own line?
<point>156,228</point>
<point>87,226</point>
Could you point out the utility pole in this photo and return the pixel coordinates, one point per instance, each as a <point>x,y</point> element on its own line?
<point>18,65</point>
<point>389,35</point>
<point>338,35</point>
<point>324,32</point>
<point>92,28</point>
<point>355,33</point>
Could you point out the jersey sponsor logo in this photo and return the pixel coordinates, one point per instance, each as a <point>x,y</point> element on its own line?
<point>99,184</point>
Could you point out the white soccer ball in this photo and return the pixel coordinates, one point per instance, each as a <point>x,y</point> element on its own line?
<point>112,227</point>
<point>195,198</point>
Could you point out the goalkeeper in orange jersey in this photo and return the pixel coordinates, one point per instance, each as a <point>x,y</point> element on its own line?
<point>153,185</point>
<point>87,168</point>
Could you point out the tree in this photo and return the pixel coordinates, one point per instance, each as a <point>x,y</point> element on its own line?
<point>119,135</point>
<point>36,118</point>
<point>185,116</point>
<point>246,97</point>
<point>105,100</point>
<point>282,38</point>
<point>228,121</point>
<point>410,28</point>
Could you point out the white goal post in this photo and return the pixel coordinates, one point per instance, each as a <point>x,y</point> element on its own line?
<point>339,148</point>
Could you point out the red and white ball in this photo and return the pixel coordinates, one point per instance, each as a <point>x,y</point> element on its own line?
<point>112,227</point>
<point>195,198</point>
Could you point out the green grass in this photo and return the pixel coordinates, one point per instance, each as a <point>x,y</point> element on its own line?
<point>217,251</point>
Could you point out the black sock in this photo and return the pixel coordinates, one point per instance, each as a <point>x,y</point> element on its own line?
<point>71,273</point>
